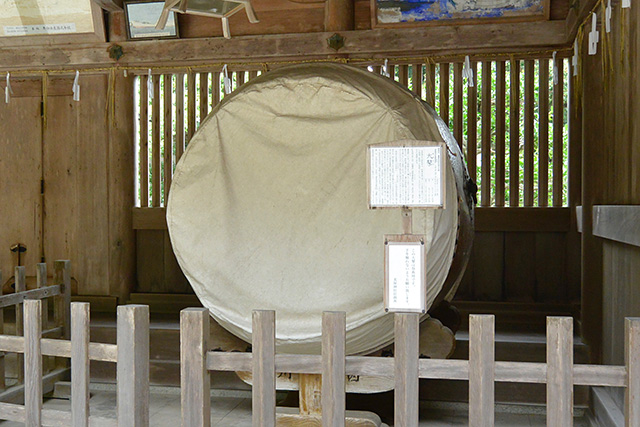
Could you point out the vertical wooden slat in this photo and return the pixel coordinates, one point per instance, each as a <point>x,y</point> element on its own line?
<point>204,95</point>
<point>485,190</point>
<point>144,142</point>
<point>472,124</point>
<point>559,371</point>
<point>558,129</point>
<point>33,363</point>
<point>529,106</point>
<point>195,381</point>
<point>481,370</point>
<point>444,92</point>
<point>133,365</point>
<point>215,88</point>
<point>41,282</point>
<point>403,75</point>
<point>179,116</point>
<point>457,103</point>
<point>430,84</point>
<point>406,369</point>
<point>239,78</point>
<point>632,362</point>
<point>191,105</point>
<point>514,133</point>
<point>80,364</point>
<point>416,79</point>
<point>253,74</point>
<point>2,355</point>
<point>543,133</point>
<point>264,368</point>
<point>333,368</point>
<point>62,314</point>
<point>500,131</point>
<point>168,134</point>
<point>155,143</point>
<point>20,286</point>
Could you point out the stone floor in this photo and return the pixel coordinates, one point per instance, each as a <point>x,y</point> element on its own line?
<point>234,409</point>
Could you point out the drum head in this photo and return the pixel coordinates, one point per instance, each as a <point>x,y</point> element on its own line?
<point>268,205</point>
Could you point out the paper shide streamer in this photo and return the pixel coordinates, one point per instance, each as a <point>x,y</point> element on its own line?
<point>76,87</point>
<point>467,72</point>
<point>226,80</point>
<point>7,90</point>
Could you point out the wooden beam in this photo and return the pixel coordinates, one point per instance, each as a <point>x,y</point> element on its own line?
<point>618,223</point>
<point>418,41</point>
<point>109,5</point>
<point>523,219</point>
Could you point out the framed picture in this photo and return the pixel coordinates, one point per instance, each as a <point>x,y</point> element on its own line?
<point>402,13</point>
<point>142,17</point>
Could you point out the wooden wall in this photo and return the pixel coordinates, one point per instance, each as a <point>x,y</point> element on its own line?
<point>610,103</point>
<point>82,209</point>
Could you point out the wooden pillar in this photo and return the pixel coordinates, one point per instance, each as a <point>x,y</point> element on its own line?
<point>33,363</point>
<point>333,368</point>
<point>481,370</point>
<point>406,369</point>
<point>80,364</point>
<point>264,368</point>
<point>133,365</point>
<point>122,261</point>
<point>195,381</point>
<point>559,371</point>
<point>20,286</point>
<point>338,15</point>
<point>594,178</point>
<point>632,360</point>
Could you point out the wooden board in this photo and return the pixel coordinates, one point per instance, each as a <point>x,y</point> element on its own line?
<point>20,167</point>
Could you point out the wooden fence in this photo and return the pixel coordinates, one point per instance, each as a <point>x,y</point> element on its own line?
<point>131,355</point>
<point>60,293</point>
<point>512,123</point>
<point>481,370</point>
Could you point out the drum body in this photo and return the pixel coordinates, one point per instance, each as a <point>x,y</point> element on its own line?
<point>268,205</point>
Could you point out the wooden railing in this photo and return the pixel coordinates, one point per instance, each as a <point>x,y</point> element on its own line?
<point>511,123</point>
<point>131,355</point>
<point>60,293</point>
<point>559,373</point>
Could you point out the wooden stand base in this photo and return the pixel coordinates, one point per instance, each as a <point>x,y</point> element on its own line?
<point>291,417</point>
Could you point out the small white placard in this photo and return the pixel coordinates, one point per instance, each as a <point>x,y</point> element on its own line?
<point>410,175</point>
<point>30,30</point>
<point>405,276</point>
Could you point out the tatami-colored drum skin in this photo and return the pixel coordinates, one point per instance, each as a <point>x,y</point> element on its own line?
<point>268,205</point>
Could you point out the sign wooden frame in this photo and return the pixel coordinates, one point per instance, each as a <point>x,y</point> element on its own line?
<point>395,240</point>
<point>409,144</point>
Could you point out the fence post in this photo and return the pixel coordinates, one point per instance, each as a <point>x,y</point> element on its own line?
<point>33,363</point>
<point>333,368</point>
<point>263,339</point>
<point>195,380</point>
<point>62,269</point>
<point>559,371</point>
<point>41,282</point>
<point>632,360</point>
<point>481,370</point>
<point>2,372</point>
<point>20,286</point>
<point>80,364</point>
<point>133,365</point>
<point>406,369</point>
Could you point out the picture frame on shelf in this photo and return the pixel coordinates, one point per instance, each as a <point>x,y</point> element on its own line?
<point>142,16</point>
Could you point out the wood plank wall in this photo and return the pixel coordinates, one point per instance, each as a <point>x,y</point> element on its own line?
<point>84,157</point>
<point>610,115</point>
<point>517,258</point>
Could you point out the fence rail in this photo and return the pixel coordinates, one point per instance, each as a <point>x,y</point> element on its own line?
<point>512,123</point>
<point>481,370</point>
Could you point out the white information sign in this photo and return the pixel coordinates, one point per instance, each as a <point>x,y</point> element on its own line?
<point>29,30</point>
<point>405,275</point>
<point>406,173</point>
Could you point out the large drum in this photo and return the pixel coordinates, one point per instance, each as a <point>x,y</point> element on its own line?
<point>268,205</point>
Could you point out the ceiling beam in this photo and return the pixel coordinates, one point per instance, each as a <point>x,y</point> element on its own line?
<point>378,43</point>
